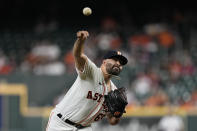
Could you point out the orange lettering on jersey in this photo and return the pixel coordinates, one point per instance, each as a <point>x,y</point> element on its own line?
<point>89,96</point>
<point>100,96</point>
<point>99,117</point>
<point>95,96</point>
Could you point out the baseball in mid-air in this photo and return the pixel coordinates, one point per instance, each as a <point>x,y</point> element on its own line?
<point>87,11</point>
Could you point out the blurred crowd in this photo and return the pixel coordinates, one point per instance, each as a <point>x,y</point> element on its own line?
<point>161,68</point>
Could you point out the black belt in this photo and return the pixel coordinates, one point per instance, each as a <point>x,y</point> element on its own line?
<point>79,126</point>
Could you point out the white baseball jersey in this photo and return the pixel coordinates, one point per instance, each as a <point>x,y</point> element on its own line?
<point>83,103</point>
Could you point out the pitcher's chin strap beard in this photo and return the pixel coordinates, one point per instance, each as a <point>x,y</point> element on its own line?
<point>115,76</point>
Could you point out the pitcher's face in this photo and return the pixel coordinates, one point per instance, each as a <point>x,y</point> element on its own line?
<point>113,66</point>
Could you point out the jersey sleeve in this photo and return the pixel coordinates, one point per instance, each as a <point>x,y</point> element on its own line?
<point>113,86</point>
<point>88,71</point>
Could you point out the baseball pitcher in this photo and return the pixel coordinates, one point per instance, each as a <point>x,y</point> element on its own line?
<point>93,95</point>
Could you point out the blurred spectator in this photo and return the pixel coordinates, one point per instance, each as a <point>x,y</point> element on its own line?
<point>141,39</point>
<point>188,67</point>
<point>108,41</point>
<point>171,122</point>
<point>166,39</point>
<point>44,59</point>
<point>132,101</point>
<point>109,38</point>
<point>5,65</point>
<point>191,103</point>
<point>158,98</point>
<point>52,68</point>
<point>69,61</point>
<point>142,87</point>
<point>46,50</point>
<point>175,70</point>
<point>154,29</point>
<point>91,44</point>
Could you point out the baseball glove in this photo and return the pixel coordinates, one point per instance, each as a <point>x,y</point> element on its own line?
<point>116,102</point>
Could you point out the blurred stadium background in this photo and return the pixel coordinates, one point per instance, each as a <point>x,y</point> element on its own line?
<point>37,67</point>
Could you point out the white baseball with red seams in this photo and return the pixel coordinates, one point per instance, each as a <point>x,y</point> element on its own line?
<point>83,103</point>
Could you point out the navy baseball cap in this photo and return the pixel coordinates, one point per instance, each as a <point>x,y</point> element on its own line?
<point>116,54</point>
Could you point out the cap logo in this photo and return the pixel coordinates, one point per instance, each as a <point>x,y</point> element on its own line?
<point>117,113</point>
<point>118,52</point>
